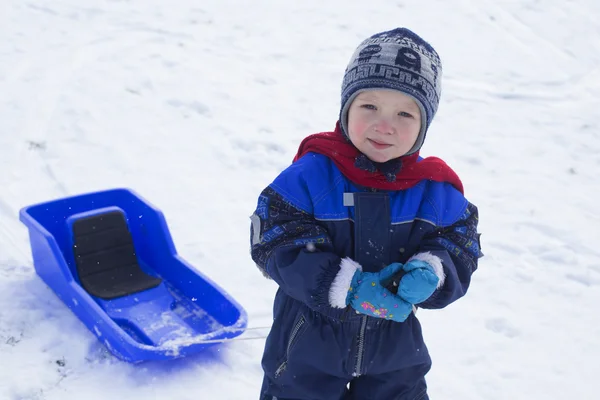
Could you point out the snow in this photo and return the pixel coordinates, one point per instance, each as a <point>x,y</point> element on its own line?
<point>198,105</point>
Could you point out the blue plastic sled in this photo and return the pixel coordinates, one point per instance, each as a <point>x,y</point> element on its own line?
<point>109,256</point>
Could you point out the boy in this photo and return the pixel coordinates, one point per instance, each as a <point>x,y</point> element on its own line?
<point>356,212</point>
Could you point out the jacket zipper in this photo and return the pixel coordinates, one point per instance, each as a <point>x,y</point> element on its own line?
<point>293,336</point>
<point>361,347</point>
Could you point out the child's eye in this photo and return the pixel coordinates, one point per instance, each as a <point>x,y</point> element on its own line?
<point>369,106</point>
<point>405,114</point>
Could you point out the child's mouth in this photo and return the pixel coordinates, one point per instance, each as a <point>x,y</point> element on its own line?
<point>379,145</point>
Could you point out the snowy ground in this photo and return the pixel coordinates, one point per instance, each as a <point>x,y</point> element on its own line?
<point>198,105</point>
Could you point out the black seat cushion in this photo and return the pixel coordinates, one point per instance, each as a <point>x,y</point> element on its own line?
<point>105,257</point>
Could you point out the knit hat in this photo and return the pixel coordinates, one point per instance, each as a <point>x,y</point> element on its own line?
<point>400,60</point>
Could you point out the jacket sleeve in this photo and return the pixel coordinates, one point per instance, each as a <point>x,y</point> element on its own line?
<point>458,248</point>
<point>289,246</point>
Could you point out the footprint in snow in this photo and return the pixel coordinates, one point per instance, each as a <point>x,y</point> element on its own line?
<point>502,326</point>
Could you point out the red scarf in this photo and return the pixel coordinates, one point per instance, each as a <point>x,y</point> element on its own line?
<point>336,146</point>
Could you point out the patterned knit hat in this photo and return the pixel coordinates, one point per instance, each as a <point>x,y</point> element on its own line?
<point>400,60</point>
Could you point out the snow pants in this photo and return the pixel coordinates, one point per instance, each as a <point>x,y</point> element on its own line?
<point>342,355</point>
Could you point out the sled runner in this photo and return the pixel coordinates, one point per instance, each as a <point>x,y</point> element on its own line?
<point>109,256</point>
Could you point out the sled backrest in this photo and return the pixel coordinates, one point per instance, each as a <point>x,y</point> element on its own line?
<point>105,256</point>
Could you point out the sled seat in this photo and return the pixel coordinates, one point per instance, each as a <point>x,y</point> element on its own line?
<point>105,257</point>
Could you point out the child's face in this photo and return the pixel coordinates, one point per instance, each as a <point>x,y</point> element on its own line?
<point>383,124</point>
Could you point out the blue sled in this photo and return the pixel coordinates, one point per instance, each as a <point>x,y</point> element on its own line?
<point>109,256</point>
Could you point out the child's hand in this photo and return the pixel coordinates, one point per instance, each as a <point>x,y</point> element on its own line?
<point>368,295</point>
<point>419,283</point>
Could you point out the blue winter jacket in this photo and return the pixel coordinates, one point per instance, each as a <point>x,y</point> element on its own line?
<point>312,216</point>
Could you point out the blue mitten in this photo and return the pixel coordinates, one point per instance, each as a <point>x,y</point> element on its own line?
<point>419,283</point>
<point>367,294</point>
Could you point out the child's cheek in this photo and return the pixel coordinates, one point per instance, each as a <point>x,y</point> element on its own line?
<point>359,126</point>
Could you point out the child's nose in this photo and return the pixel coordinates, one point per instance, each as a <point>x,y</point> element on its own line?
<point>384,126</point>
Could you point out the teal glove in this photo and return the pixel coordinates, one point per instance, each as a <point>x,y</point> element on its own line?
<point>367,294</point>
<point>419,282</point>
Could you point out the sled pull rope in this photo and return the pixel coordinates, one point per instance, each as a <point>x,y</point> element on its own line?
<point>239,337</point>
